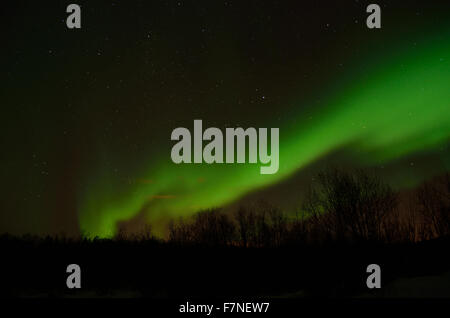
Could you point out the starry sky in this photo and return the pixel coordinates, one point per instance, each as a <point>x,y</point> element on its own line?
<point>87,114</point>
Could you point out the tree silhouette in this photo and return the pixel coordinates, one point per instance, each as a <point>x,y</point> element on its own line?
<point>351,205</point>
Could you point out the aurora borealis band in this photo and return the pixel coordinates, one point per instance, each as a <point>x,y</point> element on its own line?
<point>94,127</point>
<point>396,111</point>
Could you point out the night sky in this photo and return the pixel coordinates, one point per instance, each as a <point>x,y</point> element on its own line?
<point>87,114</point>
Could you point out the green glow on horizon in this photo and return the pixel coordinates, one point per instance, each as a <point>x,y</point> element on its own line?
<point>400,108</point>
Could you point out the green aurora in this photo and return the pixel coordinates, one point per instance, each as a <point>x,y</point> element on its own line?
<point>399,107</point>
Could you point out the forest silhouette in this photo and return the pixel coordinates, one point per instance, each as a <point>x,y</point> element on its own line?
<point>348,220</point>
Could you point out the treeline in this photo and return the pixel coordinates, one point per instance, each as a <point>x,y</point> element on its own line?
<point>340,206</point>
<point>257,250</point>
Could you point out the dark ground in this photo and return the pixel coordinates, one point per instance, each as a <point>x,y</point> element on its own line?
<point>34,267</point>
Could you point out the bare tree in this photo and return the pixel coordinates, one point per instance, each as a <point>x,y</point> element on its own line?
<point>209,227</point>
<point>351,204</point>
<point>245,220</point>
<point>434,203</point>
